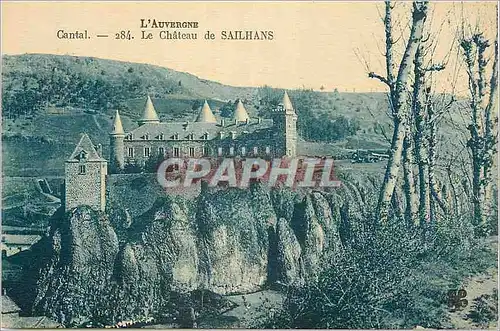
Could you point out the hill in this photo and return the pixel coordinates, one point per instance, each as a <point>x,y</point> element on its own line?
<point>48,100</point>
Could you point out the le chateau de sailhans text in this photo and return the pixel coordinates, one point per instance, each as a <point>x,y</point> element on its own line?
<point>152,29</point>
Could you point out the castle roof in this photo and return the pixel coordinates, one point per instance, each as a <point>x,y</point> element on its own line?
<point>240,113</point>
<point>198,129</point>
<point>149,115</point>
<point>206,115</point>
<point>85,150</point>
<point>117,125</point>
<point>287,104</point>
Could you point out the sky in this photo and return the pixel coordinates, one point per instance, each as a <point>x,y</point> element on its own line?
<point>329,44</point>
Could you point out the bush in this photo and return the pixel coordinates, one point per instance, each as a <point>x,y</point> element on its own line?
<point>391,276</point>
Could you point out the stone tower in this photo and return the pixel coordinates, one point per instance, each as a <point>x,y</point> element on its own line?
<point>285,120</point>
<point>85,177</point>
<point>116,145</point>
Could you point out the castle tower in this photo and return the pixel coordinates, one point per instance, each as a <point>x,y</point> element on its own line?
<point>85,177</point>
<point>206,114</point>
<point>116,145</point>
<point>285,121</point>
<point>240,113</point>
<point>149,115</point>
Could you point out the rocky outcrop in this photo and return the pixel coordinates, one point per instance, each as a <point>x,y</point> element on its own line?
<point>225,241</point>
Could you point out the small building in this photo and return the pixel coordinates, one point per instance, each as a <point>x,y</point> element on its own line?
<point>85,177</point>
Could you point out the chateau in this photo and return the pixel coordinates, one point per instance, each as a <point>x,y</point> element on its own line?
<point>242,136</point>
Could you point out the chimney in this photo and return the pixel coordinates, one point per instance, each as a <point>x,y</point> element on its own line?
<point>222,122</point>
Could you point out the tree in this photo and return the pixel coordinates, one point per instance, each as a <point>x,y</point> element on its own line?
<point>398,97</point>
<point>483,119</point>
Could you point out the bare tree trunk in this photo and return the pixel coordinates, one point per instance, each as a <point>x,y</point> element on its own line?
<point>399,98</point>
<point>433,185</point>
<point>409,182</point>
<point>483,136</point>
<point>420,136</point>
<point>491,138</point>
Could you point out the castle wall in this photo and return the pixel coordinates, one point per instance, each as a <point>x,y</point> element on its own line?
<point>268,143</point>
<point>85,189</point>
<point>137,193</point>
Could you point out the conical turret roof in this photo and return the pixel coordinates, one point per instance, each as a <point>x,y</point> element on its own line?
<point>206,114</point>
<point>149,115</point>
<point>240,113</point>
<point>287,104</point>
<point>117,125</point>
<point>85,149</point>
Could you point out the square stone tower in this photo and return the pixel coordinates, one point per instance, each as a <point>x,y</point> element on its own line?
<point>285,119</point>
<point>85,177</point>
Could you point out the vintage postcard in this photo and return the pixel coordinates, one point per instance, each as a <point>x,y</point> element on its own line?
<point>326,165</point>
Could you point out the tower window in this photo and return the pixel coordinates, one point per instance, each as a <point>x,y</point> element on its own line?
<point>82,169</point>
<point>219,151</point>
<point>130,152</point>
<point>176,151</point>
<point>147,151</point>
<point>161,151</point>
<point>191,151</point>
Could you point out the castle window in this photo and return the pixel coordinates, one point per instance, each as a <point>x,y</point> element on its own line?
<point>243,151</point>
<point>268,150</point>
<point>82,155</point>
<point>206,151</point>
<point>255,150</point>
<point>82,169</point>
<point>146,136</point>
<point>219,151</point>
<point>161,137</point>
<point>191,151</point>
<point>130,136</point>
<point>161,151</point>
<point>130,152</point>
<point>176,151</point>
<point>175,136</point>
<point>147,151</point>
<point>231,150</point>
<point>205,136</point>
<point>233,134</point>
<point>190,136</point>
<point>221,135</point>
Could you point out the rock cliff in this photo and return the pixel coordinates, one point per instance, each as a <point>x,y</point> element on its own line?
<point>110,267</point>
